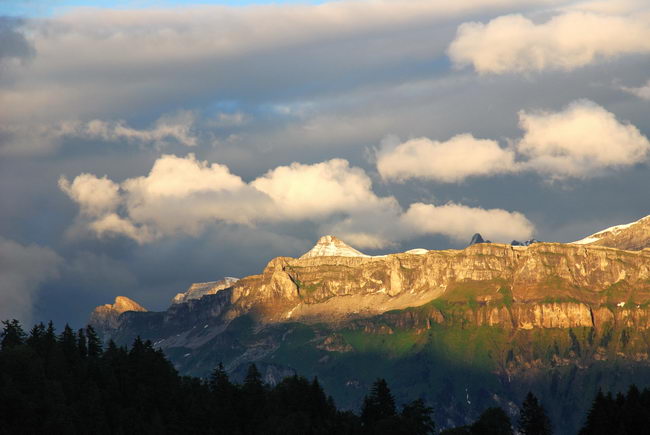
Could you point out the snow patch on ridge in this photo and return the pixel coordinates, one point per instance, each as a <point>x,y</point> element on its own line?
<point>330,246</point>
<point>200,289</point>
<point>607,231</point>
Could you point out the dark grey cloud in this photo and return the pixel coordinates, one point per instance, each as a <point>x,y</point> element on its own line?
<point>13,43</point>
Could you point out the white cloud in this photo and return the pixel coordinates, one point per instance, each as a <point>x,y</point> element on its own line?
<point>515,44</point>
<point>22,270</point>
<point>304,191</point>
<point>96,196</point>
<point>182,195</point>
<point>461,222</point>
<point>454,160</point>
<point>112,224</point>
<point>579,141</point>
<point>642,92</point>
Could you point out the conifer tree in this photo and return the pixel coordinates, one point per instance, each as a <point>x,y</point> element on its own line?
<point>493,421</point>
<point>533,419</point>
<point>602,418</point>
<point>82,343</point>
<point>219,381</point>
<point>12,334</point>
<point>68,342</point>
<point>36,337</point>
<point>253,380</point>
<point>379,405</point>
<point>416,418</point>
<point>50,335</point>
<point>94,343</point>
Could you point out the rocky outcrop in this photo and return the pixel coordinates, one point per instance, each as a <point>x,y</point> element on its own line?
<point>477,238</point>
<point>106,317</point>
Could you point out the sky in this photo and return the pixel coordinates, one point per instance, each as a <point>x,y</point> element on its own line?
<point>148,145</point>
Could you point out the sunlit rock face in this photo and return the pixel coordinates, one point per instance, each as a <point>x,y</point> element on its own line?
<point>633,236</point>
<point>544,285</point>
<point>335,288</point>
<point>107,316</point>
<point>200,289</point>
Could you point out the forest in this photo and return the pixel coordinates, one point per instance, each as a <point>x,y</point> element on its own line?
<point>71,383</point>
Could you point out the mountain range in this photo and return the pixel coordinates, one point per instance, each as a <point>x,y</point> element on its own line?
<point>463,329</point>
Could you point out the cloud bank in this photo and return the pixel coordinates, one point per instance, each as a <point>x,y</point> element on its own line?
<point>515,44</point>
<point>183,195</point>
<point>580,141</point>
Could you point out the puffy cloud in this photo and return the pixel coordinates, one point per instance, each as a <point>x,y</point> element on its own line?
<point>454,160</point>
<point>96,196</point>
<point>642,92</point>
<point>515,44</point>
<point>301,191</point>
<point>183,195</point>
<point>461,222</point>
<point>579,141</point>
<point>22,270</point>
<point>112,224</point>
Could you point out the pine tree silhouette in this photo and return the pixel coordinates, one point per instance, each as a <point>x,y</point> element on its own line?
<point>533,419</point>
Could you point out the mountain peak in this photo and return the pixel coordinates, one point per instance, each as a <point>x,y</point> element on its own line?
<point>122,304</point>
<point>331,246</point>
<point>632,237</point>
<point>477,238</point>
<point>106,316</point>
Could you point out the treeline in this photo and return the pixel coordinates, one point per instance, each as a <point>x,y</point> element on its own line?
<point>621,414</point>
<point>68,383</point>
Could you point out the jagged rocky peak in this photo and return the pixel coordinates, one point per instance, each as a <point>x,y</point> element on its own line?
<point>330,246</point>
<point>632,237</point>
<point>200,289</point>
<point>477,238</point>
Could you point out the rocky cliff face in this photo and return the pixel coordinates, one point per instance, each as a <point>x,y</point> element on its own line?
<point>339,288</point>
<point>542,285</point>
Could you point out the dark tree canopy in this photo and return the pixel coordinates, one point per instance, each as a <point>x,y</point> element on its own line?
<point>533,419</point>
<point>624,414</point>
<point>69,383</point>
